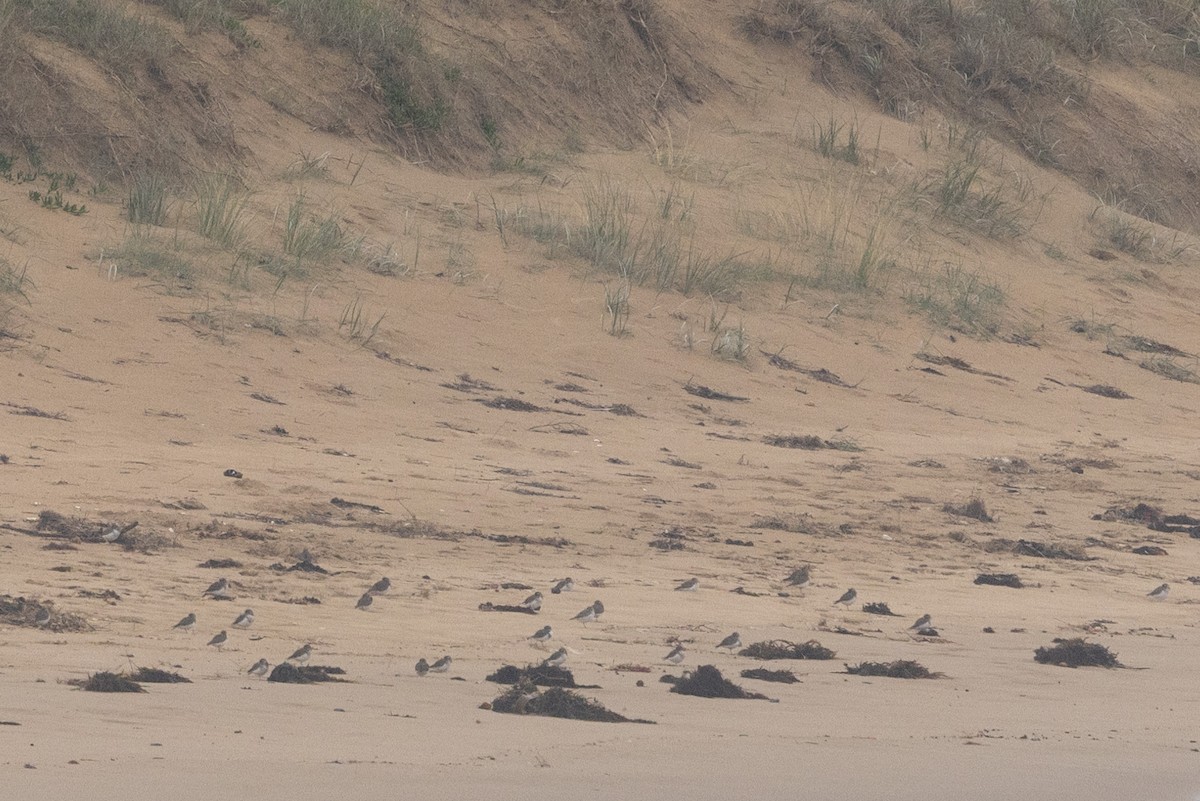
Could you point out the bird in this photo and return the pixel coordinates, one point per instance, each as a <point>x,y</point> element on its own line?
<point>922,623</point>
<point>301,655</point>
<point>1159,593</point>
<point>218,589</point>
<point>381,586</point>
<point>260,668</point>
<point>244,619</point>
<point>799,577</point>
<point>366,600</point>
<point>440,666</point>
<point>732,641</point>
<point>544,634</point>
<point>42,619</point>
<point>689,585</point>
<point>676,655</point>
<point>599,608</point>
<point>187,623</point>
<point>588,614</point>
<point>422,666</point>
<point>566,585</point>
<point>219,639</point>
<point>847,597</point>
<point>533,602</point>
<point>555,659</point>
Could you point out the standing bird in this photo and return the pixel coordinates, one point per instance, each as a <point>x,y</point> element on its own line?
<point>598,608</point>
<point>566,585</point>
<point>244,619</point>
<point>799,577</point>
<point>732,641</point>
<point>922,623</point>
<point>533,603</point>
<point>187,623</point>
<point>422,666</point>
<point>42,618</point>
<point>689,585</point>
<point>365,601</point>
<point>381,586</point>
<point>544,634</point>
<point>260,668</point>
<point>219,640</point>
<point>1159,593</point>
<point>218,589</point>
<point>555,659</point>
<point>301,655</point>
<point>847,597</point>
<point>676,655</point>
<point>440,666</point>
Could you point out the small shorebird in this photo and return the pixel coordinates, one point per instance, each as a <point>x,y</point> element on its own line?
<point>218,589</point>
<point>799,577</point>
<point>381,586</point>
<point>1159,593</point>
<point>599,609</point>
<point>219,640</point>
<point>365,601</point>
<point>440,666</point>
<point>42,618</point>
<point>923,622</point>
<point>566,585</point>
<point>589,614</point>
<point>244,619</point>
<point>544,634</point>
<point>689,585</point>
<point>847,597</point>
<point>732,641</point>
<point>301,655</point>
<point>555,659</point>
<point>422,666</point>
<point>676,655</point>
<point>260,668</point>
<point>187,623</point>
<point>533,602</point>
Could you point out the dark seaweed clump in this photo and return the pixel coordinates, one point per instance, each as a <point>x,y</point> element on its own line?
<point>156,676</point>
<point>557,702</point>
<point>762,674</point>
<point>538,675</point>
<point>900,669</point>
<point>288,673</point>
<point>707,682</point>
<point>1076,652</point>
<point>999,580</point>
<point>105,682</point>
<point>783,649</point>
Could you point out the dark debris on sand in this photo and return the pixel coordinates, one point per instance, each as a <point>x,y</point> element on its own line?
<point>24,612</point>
<point>900,669</point>
<point>303,566</point>
<point>783,649</point>
<point>105,682</point>
<point>157,676</point>
<point>556,702</point>
<point>538,675</point>
<point>220,564</point>
<point>1076,652</point>
<point>762,674</point>
<point>974,509</point>
<point>488,606</point>
<point>878,608</point>
<point>1153,518</point>
<point>707,682</point>
<point>708,393</point>
<point>1040,550</point>
<point>999,580</point>
<point>288,673</point>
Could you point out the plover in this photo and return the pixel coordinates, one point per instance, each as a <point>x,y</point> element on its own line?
<point>187,623</point>
<point>42,618</point>
<point>1159,593</point>
<point>381,586</point>
<point>440,666</point>
<point>219,640</point>
<point>922,623</point>
<point>533,602</point>
<point>599,609</point>
<point>244,619</point>
<point>732,641</point>
<point>799,577</point>
<point>260,668</point>
<point>218,589</point>
<point>366,600</point>
<point>555,659</point>
<point>589,614</point>
<point>544,634</point>
<point>422,666</point>
<point>566,585</point>
<point>676,655</point>
<point>847,597</point>
<point>689,585</point>
<point>301,655</point>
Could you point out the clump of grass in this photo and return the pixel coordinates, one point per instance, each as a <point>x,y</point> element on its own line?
<point>783,649</point>
<point>826,140</point>
<point>13,281</point>
<point>109,33</point>
<point>1125,233</point>
<point>960,193</point>
<point>975,509</point>
<point>1076,652</point>
<point>221,203</point>
<point>616,308</point>
<point>307,165</point>
<point>732,344</point>
<point>148,200</point>
<point>958,299</point>
<point>356,324</point>
<point>900,669</point>
<point>309,238</point>
<point>141,256</point>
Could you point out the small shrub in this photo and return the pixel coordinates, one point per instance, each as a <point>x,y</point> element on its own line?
<point>221,203</point>
<point>147,201</point>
